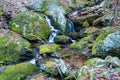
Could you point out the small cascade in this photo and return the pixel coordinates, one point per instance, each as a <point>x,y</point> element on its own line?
<point>71,26</point>
<point>54,31</point>
<point>36,53</point>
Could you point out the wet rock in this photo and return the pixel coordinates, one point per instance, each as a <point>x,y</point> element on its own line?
<point>18,71</point>
<point>31,25</point>
<point>62,39</point>
<point>107,43</point>
<point>83,44</point>
<point>45,6</point>
<point>12,46</point>
<point>48,48</point>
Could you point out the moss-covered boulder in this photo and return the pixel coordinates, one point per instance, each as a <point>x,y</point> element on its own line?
<point>18,71</point>
<point>62,39</point>
<point>109,61</point>
<point>12,46</point>
<point>31,25</point>
<point>51,8</point>
<point>50,67</point>
<point>48,48</point>
<point>83,44</point>
<point>107,43</point>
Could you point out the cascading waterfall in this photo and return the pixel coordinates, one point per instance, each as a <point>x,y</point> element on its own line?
<point>71,26</point>
<point>36,53</point>
<point>54,31</point>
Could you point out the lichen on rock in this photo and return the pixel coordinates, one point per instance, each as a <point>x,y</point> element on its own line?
<point>31,25</point>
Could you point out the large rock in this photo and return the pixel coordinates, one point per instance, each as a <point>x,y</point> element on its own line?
<point>107,43</point>
<point>51,8</point>
<point>31,25</point>
<point>48,48</point>
<point>11,46</point>
<point>18,71</point>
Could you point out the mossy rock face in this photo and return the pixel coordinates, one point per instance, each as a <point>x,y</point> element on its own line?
<point>48,48</point>
<point>31,25</point>
<point>51,8</point>
<point>96,62</point>
<point>50,67</point>
<point>82,45</point>
<point>107,43</point>
<point>11,45</point>
<point>62,39</point>
<point>91,30</point>
<point>109,61</point>
<point>18,71</point>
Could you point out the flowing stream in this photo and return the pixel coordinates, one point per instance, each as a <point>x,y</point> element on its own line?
<point>36,55</point>
<point>54,32</point>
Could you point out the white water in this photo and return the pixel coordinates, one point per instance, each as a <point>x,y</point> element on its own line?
<point>54,31</point>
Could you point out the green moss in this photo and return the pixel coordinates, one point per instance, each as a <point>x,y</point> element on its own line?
<point>17,72</point>
<point>85,24</point>
<point>50,64</point>
<point>49,48</point>
<point>11,46</point>
<point>96,62</point>
<point>99,40</point>
<point>90,30</point>
<point>82,44</point>
<point>31,25</point>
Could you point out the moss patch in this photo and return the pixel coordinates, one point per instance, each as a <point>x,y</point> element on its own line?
<point>82,44</point>
<point>11,46</point>
<point>17,72</point>
<point>49,48</point>
<point>31,25</point>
